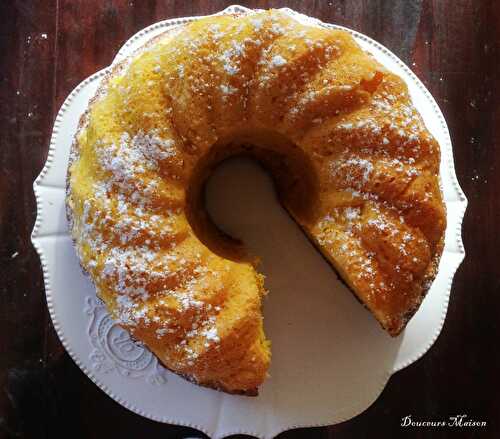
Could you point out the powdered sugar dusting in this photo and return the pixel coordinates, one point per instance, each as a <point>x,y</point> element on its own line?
<point>277,61</point>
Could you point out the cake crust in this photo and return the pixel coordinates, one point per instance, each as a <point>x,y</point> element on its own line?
<point>376,213</point>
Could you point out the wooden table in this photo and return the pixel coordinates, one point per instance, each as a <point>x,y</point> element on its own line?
<point>48,47</point>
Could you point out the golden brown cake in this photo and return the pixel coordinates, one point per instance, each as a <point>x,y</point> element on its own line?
<point>352,161</point>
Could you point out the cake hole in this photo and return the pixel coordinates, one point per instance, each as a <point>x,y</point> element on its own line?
<point>241,201</point>
<point>289,177</point>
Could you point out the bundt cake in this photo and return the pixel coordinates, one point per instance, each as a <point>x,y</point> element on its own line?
<point>352,161</point>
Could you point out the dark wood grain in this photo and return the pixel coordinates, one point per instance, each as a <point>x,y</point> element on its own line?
<point>48,47</point>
